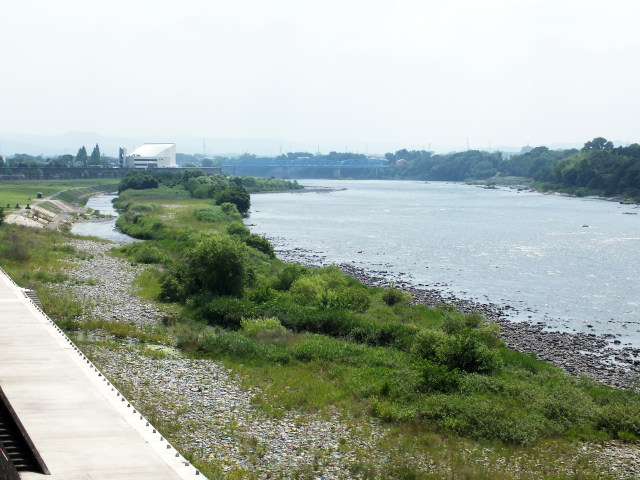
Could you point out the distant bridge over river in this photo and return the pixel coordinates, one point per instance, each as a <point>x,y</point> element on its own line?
<point>289,168</point>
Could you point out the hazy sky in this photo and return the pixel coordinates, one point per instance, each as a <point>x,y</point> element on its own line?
<point>411,72</point>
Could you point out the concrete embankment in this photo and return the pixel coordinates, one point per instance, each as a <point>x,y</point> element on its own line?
<point>80,425</point>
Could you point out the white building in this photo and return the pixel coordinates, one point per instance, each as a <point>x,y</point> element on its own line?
<point>150,155</point>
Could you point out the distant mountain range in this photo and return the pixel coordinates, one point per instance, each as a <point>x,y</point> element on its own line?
<point>12,143</point>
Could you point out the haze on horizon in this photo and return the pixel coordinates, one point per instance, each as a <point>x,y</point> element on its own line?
<point>333,74</point>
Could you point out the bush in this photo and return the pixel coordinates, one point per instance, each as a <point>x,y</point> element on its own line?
<point>438,378</point>
<point>619,419</point>
<point>482,417</point>
<point>262,294</point>
<point>466,353</point>
<point>473,319</point>
<point>137,181</point>
<point>235,195</point>
<point>225,311</point>
<point>253,326</point>
<point>307,291</point>
<point>231,211</point>
<point>142,252</point>
<point>238,228</point>
<point>356,299</point>
<point>289,275</point>
<point>452,322</point>
<point>210,214</point>
<point>261,244</point>
<point>393,296</point>
<point>216,265</point>
<point>237,345</point>
<point>427,342</point>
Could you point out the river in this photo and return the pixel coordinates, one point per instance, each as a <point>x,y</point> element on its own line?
<point>571,263</point>
<point>104,229</point>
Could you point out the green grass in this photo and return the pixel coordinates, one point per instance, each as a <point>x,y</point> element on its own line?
<point>23,192</point>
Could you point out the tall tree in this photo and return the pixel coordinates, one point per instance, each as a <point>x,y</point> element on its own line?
<point>95,156</point>
<point>81,156</point>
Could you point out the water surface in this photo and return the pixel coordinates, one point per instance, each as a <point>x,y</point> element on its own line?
<point>570,262</point>
<point>103,229</point>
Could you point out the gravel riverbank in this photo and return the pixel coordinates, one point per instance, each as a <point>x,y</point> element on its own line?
<point>206,411</point>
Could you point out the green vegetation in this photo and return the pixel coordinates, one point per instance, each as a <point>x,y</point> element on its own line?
<point>22,192</point>
<point>317,341</point>
<point>432,367</point>
<point>597,169</point>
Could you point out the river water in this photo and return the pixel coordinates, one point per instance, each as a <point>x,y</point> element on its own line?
<point>104,229</point>
<point>571,263</point>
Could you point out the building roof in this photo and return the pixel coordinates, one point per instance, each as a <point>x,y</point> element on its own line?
<point>152,149</point>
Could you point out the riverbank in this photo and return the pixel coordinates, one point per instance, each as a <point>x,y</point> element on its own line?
<point>202,407</point>
<point>598,357</point>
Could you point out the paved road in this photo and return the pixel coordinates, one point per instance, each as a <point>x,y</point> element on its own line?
<point>81,426</point>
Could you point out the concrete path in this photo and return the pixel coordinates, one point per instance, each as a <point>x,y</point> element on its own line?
<point>82,427</point>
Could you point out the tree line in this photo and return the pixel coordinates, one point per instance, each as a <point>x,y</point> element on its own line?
<point>598,168</point>
<point>80,159</point>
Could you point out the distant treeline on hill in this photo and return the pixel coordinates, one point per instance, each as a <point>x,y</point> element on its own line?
<point>598,168</point>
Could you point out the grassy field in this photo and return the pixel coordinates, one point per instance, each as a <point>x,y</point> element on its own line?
<point>441,384</point>
<point>23,192</point>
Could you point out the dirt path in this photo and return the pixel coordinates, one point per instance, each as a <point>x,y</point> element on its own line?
<point>37,216</point>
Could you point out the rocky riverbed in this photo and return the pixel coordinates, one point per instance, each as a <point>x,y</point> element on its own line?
<point>205,411</point>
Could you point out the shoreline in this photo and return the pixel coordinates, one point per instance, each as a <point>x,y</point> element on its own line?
<point>576,353</point>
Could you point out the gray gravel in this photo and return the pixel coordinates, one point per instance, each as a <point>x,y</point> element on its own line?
<point>205,411</point>
<point>214,416</point>
<point>104,283</point>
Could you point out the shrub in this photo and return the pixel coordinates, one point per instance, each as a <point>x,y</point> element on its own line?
<point>172,289</point>
<point>619,419</point>
<point>137,181</point>
<point>225,311</point>
<point>452,322</point>
<point>289,275</point>
<point>210,214</point>
<point>144,207</point>
<point>262,294</point>
<point>235,344</point>
<point>217,265</point>
<point>149,254</point>
<point>238,228</point>
<point>236,195</point>
<point>253,326</point>
<point>187,337</point>
<point>473,319</point>
<point>261,244</point>
<point>307,291</point>
<point>231,211</point>
<point>482,417</point>
<point>393,296</point>
<point>427,342</point>
<point>489,334</point>
<point>466,353</point>
<point>438,378</point>
<point>352,298</point>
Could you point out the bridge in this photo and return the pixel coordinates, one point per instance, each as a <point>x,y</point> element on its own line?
<point>60,418</point>
<point>287,166</point>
